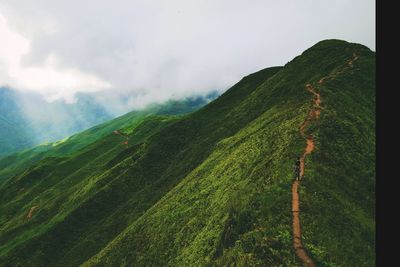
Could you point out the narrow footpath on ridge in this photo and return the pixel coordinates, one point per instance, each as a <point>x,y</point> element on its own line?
<point>312,116</point>
<point>30,213</point>
<point>116,132</point>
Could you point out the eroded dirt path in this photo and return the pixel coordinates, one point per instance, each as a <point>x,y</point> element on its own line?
<point>297,243</point>
<point>126,142</point>
<point>30,213</point>
<point>313,115</point>
<point>355,57</point>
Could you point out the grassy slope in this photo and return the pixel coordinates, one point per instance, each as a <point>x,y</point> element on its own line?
<point>235,206</point>
<point>17,162</point>
<point>107,203</point>
<point>339,187</point>
<point>58,186</point>
<point>213,188</point>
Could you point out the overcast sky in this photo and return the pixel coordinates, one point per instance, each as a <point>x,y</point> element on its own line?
<point>154,50</point>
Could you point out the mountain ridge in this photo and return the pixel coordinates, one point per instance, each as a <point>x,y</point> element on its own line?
<point>213,187</point>
<point>27,119</point>
<point>10,164</point>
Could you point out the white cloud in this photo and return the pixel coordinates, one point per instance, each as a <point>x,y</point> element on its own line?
<point>160,49</point>
<point>49,78</point>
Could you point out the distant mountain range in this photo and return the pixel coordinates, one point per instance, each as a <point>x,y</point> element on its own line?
<point>27,119</point>
<point>219,186</point>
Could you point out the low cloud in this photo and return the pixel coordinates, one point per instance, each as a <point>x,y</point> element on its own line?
<point>49,77</point>
<point>155,50</point>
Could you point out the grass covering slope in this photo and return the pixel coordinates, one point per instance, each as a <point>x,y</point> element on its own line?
<point>213,187</point>
<point>58,186</point>
<point>234,208</point>
<point>17,162</point>
<point>106,204</point>
<point>339,187</point>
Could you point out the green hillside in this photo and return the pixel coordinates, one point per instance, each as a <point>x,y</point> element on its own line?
<point>17,162</point>
<point>212,188</point>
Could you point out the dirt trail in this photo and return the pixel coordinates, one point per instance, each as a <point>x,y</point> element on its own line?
<point>298,246</point>
<point>126,143</point>
<point>297,243</point>
<point>30,213</point>
<point>355,57</point>
<point>312,116</point>
<point>344,68</point>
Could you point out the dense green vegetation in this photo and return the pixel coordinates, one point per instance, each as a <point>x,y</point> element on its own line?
<point>212,187</point>
<point>339,190</point>
<point>17,162</point>
<point>27,119</point>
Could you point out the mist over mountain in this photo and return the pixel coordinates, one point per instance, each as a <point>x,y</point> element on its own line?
<point>27,118</point>
<point>15,133</point>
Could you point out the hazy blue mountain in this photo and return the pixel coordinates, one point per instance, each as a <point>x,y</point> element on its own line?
<point>27,119</point>
<point>14,126</point>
